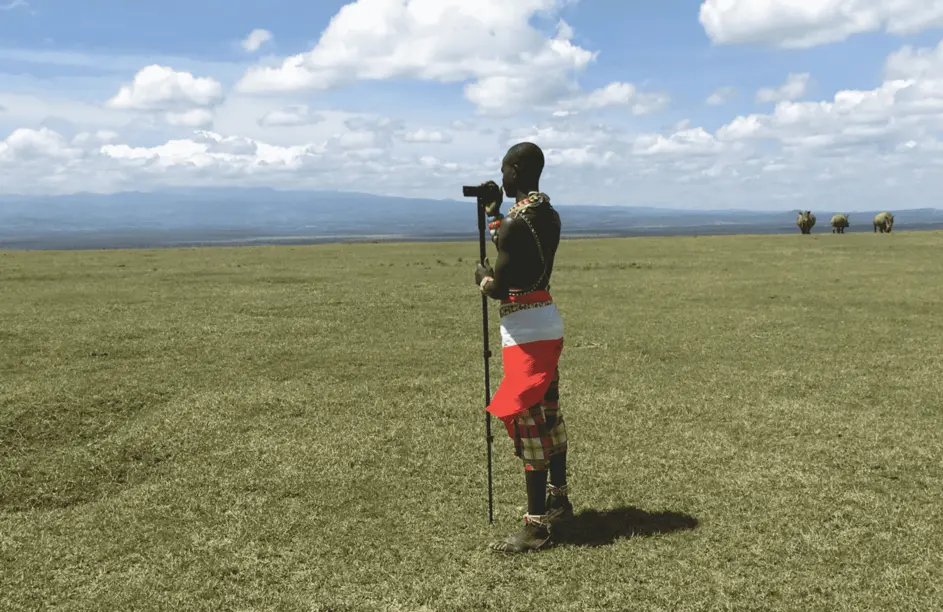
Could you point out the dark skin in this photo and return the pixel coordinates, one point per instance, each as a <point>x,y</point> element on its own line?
<point>525,263</point>
<point>519,262</point>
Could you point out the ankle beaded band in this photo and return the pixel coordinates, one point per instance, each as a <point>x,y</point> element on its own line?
<point>559,491</point>
<point>536,519</point>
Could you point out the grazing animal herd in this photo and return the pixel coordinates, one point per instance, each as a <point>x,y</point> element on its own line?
<point>883,222</point>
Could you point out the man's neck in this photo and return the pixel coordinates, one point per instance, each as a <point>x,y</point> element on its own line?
<point>523,194</point>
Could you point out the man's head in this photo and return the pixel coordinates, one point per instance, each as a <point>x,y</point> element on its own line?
<point>521,168</point>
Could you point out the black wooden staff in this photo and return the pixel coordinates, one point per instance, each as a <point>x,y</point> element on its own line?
<point>474,192</point>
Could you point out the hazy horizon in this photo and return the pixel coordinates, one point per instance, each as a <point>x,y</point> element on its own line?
<point>225,216</point>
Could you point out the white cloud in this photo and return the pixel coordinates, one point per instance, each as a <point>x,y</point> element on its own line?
<point>41,161</point>
<point>794,87</point>
<point>617,94</point>
<point>14,4</point>
<point>553,137</point>
<point>743,128</point>
<point>163,88</point>
<point>689,141</point>
<point>25,144</point>
<point>256,39</point>
<point>195,117</point>
<point>579,157</point>
<point>489,42</point>
<point>869,146</point>
<point>427,137</point>
<point>809,23</point>
<point>911,63</point>
<point>290,116</point>
<point>358,140</point>
<point>178,98</point>
<point>88,139</point>
<point>721,96</point>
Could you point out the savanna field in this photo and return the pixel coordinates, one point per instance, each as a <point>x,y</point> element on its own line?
<point>756,423</point>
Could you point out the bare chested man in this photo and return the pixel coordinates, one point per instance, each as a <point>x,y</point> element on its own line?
<point>532,341</point>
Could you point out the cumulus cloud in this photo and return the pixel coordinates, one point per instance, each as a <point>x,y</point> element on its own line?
<point>27,145</point>
<point>427,137</point>
<point>721,96</point>
<point>290,116</point>
<point>256,39</point>
<point>42,161</point>
<point>867,146</point>
<point>617,94</point>
<point>195,117</point>
<point>914,63</point>
<point>688,141</point>
<point>100,137</point>
<point>490,42</point>
<point>180,98</point>
<point>163,88</point>
<point>809,23</point>
<point>794,87</point>
<point>572,146</point>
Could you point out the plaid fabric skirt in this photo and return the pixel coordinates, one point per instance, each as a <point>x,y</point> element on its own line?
<point>540,432</point>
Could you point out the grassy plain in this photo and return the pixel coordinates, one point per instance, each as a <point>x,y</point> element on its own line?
<point>756,424</point>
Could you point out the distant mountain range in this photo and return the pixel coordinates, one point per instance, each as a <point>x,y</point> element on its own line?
<point>187,217</point>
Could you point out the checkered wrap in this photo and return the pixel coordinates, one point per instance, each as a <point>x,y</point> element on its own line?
<point>540,432</point>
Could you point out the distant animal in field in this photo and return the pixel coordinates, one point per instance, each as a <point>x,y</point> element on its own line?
<point>839,223</point>
<point>883,221</point>
<point>806,221</point>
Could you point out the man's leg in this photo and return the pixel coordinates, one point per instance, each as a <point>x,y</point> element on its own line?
<point>532,443</point>
<point>558,504</point>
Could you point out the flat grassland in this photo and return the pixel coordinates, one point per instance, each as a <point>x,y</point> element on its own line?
<point>756,424</point>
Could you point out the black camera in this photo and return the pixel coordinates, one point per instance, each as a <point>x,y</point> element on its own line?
<point>489,191</point>
<point>489,194</point>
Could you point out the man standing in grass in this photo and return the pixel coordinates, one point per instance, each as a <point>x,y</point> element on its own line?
<point>532,341</point>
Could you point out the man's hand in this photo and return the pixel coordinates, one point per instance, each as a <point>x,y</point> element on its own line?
<point>492,201</point>
<point>482,272</point>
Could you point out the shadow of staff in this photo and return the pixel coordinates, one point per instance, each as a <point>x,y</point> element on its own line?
<point>600,528</point>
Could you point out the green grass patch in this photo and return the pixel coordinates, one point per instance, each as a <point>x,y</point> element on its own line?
<point>756,424</point>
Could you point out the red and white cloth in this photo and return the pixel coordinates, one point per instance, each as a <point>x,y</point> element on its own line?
<point>532,341</point>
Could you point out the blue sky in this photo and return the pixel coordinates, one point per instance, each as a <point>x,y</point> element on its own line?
<point>375,115</point>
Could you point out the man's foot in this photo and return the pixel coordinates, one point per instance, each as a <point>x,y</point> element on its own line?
<point>533,537</point>
<point>559,508</point>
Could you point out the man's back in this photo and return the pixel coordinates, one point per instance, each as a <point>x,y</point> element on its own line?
<point>533,243</point>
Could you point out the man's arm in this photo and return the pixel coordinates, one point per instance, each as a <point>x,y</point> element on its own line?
<point>495,283</point>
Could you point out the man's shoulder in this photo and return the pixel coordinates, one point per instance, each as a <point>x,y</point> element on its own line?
<point>511,226</point>
<point>547,210</point>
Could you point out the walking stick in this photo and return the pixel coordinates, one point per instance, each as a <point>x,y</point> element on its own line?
<point>487,355</point>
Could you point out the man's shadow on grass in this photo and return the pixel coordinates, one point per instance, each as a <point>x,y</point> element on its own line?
<point>594,528</point>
